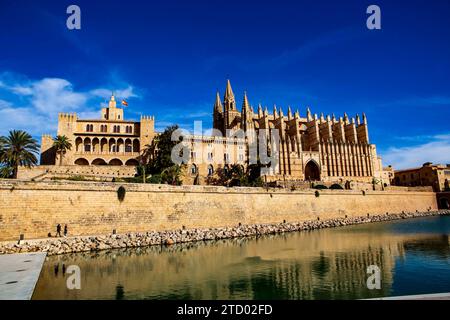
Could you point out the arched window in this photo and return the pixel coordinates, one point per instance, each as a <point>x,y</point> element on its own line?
<point>210,170</point>
<point>89,127</point>
<point>193,169</point>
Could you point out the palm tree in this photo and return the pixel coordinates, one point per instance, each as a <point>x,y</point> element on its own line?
<point>18,149</point>
<point>61,144</point>
<point>172,175</point>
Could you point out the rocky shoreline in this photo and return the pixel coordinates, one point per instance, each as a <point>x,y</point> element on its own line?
<point>57,246</point>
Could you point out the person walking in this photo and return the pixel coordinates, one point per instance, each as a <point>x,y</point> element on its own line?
<point>58,230</point>
<point>65,230</point>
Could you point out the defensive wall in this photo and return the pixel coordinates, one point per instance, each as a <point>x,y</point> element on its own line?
<point>35,208</point>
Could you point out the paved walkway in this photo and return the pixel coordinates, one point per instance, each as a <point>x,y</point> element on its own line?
<point>19,274</point>
<point>433,296</point>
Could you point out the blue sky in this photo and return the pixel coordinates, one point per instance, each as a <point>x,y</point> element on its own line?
<point>168,58</point>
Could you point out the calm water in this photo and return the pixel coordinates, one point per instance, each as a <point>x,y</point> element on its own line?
<point>414,257</point>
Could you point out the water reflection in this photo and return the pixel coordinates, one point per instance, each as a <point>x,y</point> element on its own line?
<point>321,264</point>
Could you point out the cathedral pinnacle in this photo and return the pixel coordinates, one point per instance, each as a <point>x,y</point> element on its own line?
<point>245,104</point>
<point>229,95</point>
<point>218,104</point>
<point>308,114</point>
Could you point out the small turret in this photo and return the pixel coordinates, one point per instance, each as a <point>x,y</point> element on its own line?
<point>308,114</point>
<point>364,118</point>
<point>112,102</point>
<point>218,108</point>
<point>345,117</point>
<point>260,112</point>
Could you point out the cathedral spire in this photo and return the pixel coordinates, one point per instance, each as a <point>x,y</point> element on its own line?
<point>358,120</point>
<point>229,95</point>
<point>308,114</point>
<point>364,118</point>
<point>289,113</point>
<point>218,104</point>
<point>275,112</point>
<point>345,118</point>
<point>245,104</point>
<point>228,99</point>
<point>260,112</point>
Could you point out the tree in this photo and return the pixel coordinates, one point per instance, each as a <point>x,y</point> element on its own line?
<point>156,159</point>
<point>172,175</point>
<point>18,149</point>
<point>162,150</point>
<point>61,144</point>
<point>235,176</point>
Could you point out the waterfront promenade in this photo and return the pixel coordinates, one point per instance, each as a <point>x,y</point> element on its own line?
<point>19,274</point>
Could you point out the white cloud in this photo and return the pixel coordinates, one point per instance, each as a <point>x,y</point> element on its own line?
<point>4,104</point>
<point>121,93</point>
<point>52,95</point>
<point>437,151</point>
<point>24,119</point>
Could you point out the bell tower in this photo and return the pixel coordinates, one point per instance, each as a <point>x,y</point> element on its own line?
<point>112,112</point>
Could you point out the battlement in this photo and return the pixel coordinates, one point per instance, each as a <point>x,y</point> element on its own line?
<point>67,116</point>
<point>149,118</point>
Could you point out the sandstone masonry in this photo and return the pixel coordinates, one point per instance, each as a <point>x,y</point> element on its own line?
<point>56,246</point>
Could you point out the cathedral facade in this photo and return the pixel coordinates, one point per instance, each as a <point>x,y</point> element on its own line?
<point>311,147</point>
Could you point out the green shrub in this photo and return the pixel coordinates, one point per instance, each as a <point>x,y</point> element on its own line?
<point>155,178</point>
<point>320,186</point>
<point>336,187</point>
<point>317,194</point>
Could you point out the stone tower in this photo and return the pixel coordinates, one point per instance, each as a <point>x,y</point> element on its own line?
<point>231,115</point>
<point>112,112</point>
<point>147,131</point>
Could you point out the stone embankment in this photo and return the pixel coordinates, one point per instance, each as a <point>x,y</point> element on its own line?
<point>56,246</point>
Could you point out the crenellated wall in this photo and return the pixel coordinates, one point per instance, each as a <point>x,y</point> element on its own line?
<point>35,208</point>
